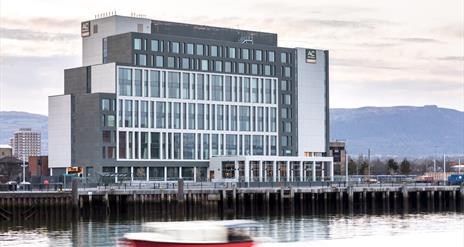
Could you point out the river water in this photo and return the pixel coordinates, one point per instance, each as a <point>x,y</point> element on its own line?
<point>316,229</point>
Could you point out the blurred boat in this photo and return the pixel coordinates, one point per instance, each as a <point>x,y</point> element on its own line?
<point>192,233</point>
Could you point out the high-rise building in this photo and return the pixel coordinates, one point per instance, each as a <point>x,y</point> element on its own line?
<point>157,100</point>
<point>25,143</point>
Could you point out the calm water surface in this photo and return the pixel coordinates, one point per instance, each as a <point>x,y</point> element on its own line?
<point>419,229</point>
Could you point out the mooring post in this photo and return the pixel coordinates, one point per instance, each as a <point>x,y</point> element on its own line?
<point>180,190</point>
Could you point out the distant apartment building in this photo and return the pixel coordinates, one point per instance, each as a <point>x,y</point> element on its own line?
<point>5,150</point>
<point>157,101</point>
<point>26,142</point>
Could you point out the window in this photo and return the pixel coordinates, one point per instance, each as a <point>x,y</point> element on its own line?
<point>160,114</point>
<point>259,55</point>
<point>227,67</point>
<point>287,126</point>
<point>267,90</point>
<point>122,145</point>
<point>185,85</point>
<point>287,99</point>
<point>241,68</point>
<point>254,90</point>
<point>204,64</point>
<point>144,145</point>
<point>287,72</point>
<point>110,121</point>
<point>185,63</point>
<point>244,118</point>
<point>189,146</point>
<point>274,119</point>
<point>270,56</point>
<point>214,51</point>
<point>267,69</point>
<point>191,116</point>
<point>156,173</point>
<point>171,62</point>
<point>95,28</point>
<point>189,49</point>
<point>286,113</point>
<point>220,117</point>
<point>217,85</point>
<point>137,44</point>
<point>125,82</point>
<point>231,52</point>
<point>105,104</point>
<point>143,59</point>
<point>218,66</point>
<point>206,146</point>
<point>284,85</point>
<point>245,54</point>
<point>254,69</point>
<point>155,146</point>
<point>155,83</point>
<point>258,145</point>
<point>138,82</point>
<point>246,89</point>
<point>106,136</point>
<point>200,48</point>
<point>159,61</point>
<point>175,47</point>
<point>128,113</point>
<point>154,45</point>
<point>177,117</point>
<point>201,86</point>
<point>231,144</point>
<point>283,57</point>
<point>174,85</point>
<point>144,114</point>
<point>228,88</point>
<point>200,117</point>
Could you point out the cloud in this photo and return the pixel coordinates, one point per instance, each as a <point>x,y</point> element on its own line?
<point>364,63</point>
<point>27,34</point>
<point>419,40</point>
<point>41,23</point>
<point>451,58</point>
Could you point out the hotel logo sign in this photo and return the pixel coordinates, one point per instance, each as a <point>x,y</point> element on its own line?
<point>310,56</point>
<point>85,29</point>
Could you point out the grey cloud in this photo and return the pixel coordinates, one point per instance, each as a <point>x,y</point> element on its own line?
<point>419,40</point>
<point>41,22</point>
<point>27,34</point>
<point>451,58</point>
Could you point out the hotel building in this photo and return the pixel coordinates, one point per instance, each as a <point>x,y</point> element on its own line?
<point>159,101</point>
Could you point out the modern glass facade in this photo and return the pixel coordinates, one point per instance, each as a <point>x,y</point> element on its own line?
<point>193,110</point>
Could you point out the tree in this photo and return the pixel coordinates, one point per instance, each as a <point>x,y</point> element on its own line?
<point>405,167</point>
<point>351,166</point>
<point>392,166</point>
<point>364,167</point>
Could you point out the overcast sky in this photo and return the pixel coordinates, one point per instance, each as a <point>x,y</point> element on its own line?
<point>382,53</point>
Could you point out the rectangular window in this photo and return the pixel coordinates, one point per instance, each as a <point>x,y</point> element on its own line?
<point>128,113</point>
<point>254,69</point>
<point>220,117</point>
<point>171,62</point>
<point>201,86</point>
<point>214,51</point>
<point>214,144</point>
<point>267,70</point>
<point>258,145</point>
<point>287,72</point>
<point>241,68</point>
<point>142,59</point>
<point>160,114</point>
<point>156,173</point>
<point>287,127</point>
<point>204,65</point>
<point>185,85</point>
<point>231,144</point>
<point>217,88</point>
<point>136,113</point>
<point>246,89</point>
<point>173,173</point>
<point>273,145</point>
<point>259,55</point>
<point>200,117</point>
<point>254,90</point>
<point>189,146</point>
<point>227,67</point>
<point>267,90</point>
<point>137,44</point>
<point>189,49</point>
<point>260,119</point>
<point>274,119</point>
<point>206,146</point>
<point>231,52</point>
<point>144,145</point>
<point>154,45</point>
<point>283,57</point>
<point>228,88</point>
<point>185,63</point>
<point>175,47</point>
<point>176,142</point>
<point>287,99</point>
<point>122,144</point>
<point>155,146</point>
<point>233,118</point>
<point>138,82</point>
<point>218,66</point>
<point>247,143</point>
<point>144,114</point>
<point>159,61</point>
<point>245,54</point>
<point>105,105</point>
<point>271,56</point>
<point>244,118</point>
<point>125,82</point>
<point>155,88</point>
<point>174,85</point>
<point>200,48</point>
<point>191,114</point>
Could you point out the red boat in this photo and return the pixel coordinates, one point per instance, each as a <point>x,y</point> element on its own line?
<point>191,233</point>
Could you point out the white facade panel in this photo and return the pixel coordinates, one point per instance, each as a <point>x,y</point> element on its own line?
<point>311,102</point>
<point>59,131</point>
<point>104,78</point>
<point>92,45</point>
